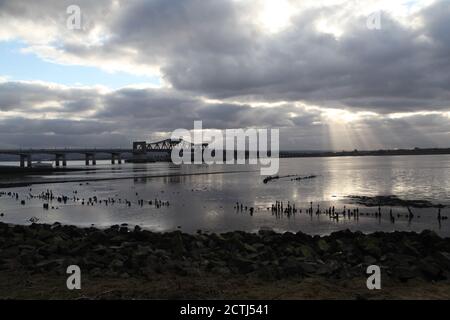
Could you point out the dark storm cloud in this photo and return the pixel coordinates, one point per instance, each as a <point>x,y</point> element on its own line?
<point>121,116</point>
<point>215,49</point>
<point>168,109</point>
<point>20,96</point>
<point>389,70</point>
<point>53,126</point>
<point>23,132</point>
<point>130,114</point>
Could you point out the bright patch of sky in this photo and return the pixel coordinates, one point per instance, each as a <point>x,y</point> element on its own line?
<point>16,65</point>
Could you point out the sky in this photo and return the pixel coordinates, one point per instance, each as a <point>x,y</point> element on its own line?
<point>330,75</point>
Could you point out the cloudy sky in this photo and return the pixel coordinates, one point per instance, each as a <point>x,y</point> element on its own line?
<point>329,74</point>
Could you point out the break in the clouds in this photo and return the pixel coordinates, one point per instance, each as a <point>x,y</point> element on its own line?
<point>312,68</point>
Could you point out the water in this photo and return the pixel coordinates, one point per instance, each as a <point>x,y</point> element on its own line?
<point>203,197</point>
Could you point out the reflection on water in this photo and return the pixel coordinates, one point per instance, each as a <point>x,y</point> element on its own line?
<point>207,201</point>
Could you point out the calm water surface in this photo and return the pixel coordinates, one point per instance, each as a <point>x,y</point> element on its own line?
<point>203,197</point>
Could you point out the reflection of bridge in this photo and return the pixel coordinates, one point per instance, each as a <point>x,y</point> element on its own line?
<point>139,148</point>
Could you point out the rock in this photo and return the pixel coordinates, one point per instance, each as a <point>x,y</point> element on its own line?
<point>243,265</point>
<point>116,264</point>
<point>404,273</point>
<point>123,229</point>
<point>26,258</point>
<point>269,273</point>
<point>49,264</point>
<point>307,251</point>
<point>250,248</point>
<point>291,266</point>
<point>100,249</point>
<point>266,233</point>
<point>216,264</point>
<point>221,270</point>
<point>25,247</point>
<point>308,267</point>
<point>98,237</point>
<point>326,269</point>
<point>44,234</point>
<point>96,272</point>
<point>369,260</point>
<point>430,269</point>
<point>372,247</point>
<point>178,244</point>
<point>443,258</point>
<point>268,255</point>
<point>323,245</point>
<point>142,252</point>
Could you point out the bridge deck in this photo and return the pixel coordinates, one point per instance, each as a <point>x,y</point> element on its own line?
<point>64,151</point>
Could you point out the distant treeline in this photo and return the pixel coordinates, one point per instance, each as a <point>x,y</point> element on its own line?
<point>395,152</point>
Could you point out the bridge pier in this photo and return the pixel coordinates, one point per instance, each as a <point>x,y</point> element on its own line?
<point>114,157</point>
<point>90,156</point>
<point>60,157</point>
<point>25,158</point>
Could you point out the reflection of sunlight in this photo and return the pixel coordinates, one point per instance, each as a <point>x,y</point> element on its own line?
<point>334,191</point>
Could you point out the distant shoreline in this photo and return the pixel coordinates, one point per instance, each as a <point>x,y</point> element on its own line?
<point>360,153</point>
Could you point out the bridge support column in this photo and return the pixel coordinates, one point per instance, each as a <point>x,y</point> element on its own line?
<point>29,161</point>
<point>59,158</point>
<point>22,160</point>
<point>114,157</point>
<point>89,157</point>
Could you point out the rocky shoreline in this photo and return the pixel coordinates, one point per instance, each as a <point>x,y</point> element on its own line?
<point>126,253</point>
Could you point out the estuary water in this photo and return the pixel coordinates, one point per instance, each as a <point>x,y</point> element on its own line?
<point>202,197</point>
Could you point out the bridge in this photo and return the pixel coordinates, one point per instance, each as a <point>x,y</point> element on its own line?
<point>164,145</point>
<point>139,148</point>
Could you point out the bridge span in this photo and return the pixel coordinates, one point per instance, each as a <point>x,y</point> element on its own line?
<point>139,150</point>
<point>61,153</point>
